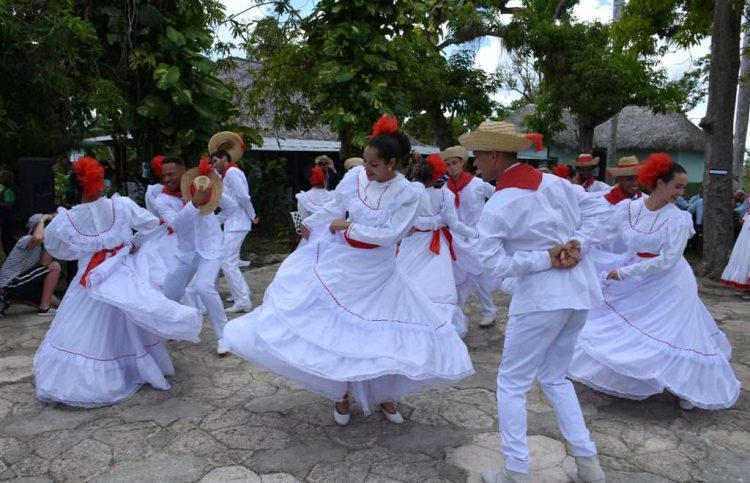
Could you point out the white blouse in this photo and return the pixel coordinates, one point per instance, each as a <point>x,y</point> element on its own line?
<point>437,209</point>
<point>308,202</point>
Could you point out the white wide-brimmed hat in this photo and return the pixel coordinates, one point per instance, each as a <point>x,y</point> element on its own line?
<point>626,166</point>
<point>455,152</point>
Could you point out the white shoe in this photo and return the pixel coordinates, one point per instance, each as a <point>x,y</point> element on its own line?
<point>589,469</point>
<point>487,321</point>
<point>229,299</point>
<point>245,263</point>
<point>238,308</point>
<point>341,419</point>
<point>395,418</point>
<point>686,405</point>
<point>505,476</point>
<point>222,348</point>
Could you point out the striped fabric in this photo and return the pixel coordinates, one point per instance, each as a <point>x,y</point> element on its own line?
<point>20,260</point>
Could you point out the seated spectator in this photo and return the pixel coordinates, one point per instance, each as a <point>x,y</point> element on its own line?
<point>29,274</point>
<point>7,201</point>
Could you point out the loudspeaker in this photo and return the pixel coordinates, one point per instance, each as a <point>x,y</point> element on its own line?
<point>36,187</point>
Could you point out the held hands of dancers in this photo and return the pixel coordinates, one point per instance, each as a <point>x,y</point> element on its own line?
<point>566,255</point>
<point>339,225</point>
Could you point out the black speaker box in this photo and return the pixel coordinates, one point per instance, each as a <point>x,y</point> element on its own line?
<point>36,187</point>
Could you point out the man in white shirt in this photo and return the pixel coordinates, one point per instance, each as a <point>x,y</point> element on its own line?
<point>534,229</point>
<point>236,228</point>
<point>199,245</point>
<point>470,194</point>
<point>585,164</point>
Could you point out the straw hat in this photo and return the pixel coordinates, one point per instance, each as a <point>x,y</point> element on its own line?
<point>193,179</point>
<point>495,136</point>
<point>585,160</point>
<point>228,141</point>
<point>352,162</point>
<point>626,166</point>
<point>455,152</point>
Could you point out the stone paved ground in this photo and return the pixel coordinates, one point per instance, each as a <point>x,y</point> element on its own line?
<point>225,420</point>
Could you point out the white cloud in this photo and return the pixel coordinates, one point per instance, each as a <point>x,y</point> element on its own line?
<point>592,10</point>
<point>243,11</point>
<point>489,54</point>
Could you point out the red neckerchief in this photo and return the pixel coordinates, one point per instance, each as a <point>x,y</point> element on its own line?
<point>167,191</point>
<point>229,166</point>
<point>616,195</point>
<point>457,186</point>
<point>587,184</point>
<point>520,176</point>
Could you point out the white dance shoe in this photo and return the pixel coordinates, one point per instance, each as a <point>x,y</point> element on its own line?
<point>341,419</point>
<point>395,418</point>
<point>487,321</point>
<point>222,348</point>
<point>235,309</point>
<point>229,299</point>
<point>505,476</point>
<point>686,405</point>
<point>589,469</point>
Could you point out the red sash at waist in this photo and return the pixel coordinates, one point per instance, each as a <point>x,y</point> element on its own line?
<point>435,242</point>
<point>647,255</point>
<point>358,244</point>
<point>97,259</point>
<point>169,228</point>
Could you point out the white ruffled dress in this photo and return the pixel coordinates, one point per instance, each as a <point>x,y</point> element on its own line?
<point>427,254</point>
<point>340,317</point>
<point>156,254</point>
<point>107,337</point>
<point>653,332</point>
<point>737,272</point>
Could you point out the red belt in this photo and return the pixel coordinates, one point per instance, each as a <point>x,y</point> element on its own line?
<point>647,255</point>
<point>358,244</point>
<point>435,242</point>
<point>97,259</point>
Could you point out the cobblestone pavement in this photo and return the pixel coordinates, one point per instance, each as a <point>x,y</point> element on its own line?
<point>225,420</point>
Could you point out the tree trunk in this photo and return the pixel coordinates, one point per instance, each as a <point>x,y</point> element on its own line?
<point>741,114</point>
<point>441,127</point>
<point>617,6</point>
<point>347,148</point>
<point>717,180</point>
<point>585,138</point>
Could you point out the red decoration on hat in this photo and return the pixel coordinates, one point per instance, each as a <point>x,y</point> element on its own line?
<point>387,124</point>
<point>89,175</point>
<point>562,170</point>
<point>318,177</point>
<point>242,140</point>
<point>156,165</point>
<point>204,166</point>
<point>656,166</point>
<point>537,139</point>
<point>438,166</point>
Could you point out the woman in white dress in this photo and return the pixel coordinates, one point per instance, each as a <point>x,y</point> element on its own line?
<point>653,332</point>
<point>310,201</point>
<point>737,272</point>
<point>107,337</point>
<point>427,254</point>
<point>339,318</point>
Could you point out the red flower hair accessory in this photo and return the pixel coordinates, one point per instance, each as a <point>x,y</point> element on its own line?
<point>438,166</point>
<point>562,170</point>
<point>204,166</point>
<point>156,164</point>
<point>318,177</point>
<point>656,166</point>
<point>537,139</point>
<point>89,175</point>
<point>387,124</point>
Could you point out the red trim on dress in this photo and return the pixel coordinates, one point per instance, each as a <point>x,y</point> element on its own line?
<point>364,202</point>
<point>647,255</point>
<point>520,176</point>
<point>114,217</point>
<point>137,356</point>
<point>737,285</point>
<point>638,217</point>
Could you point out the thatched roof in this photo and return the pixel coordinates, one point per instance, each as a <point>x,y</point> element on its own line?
<point>637,128</point>
<point>241,76</point>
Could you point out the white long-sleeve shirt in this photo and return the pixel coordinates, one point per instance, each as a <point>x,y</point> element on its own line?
<point>518,226</point>
<point>436,209</point>
<point>308,202</point>
<point>236,188</point>
<point>472,197</point>
<point>196,233</point>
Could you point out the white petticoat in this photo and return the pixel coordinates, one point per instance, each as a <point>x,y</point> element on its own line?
<point>737,272</point>
<point>433,274</point>
<point>338,319</point>
<point>107,339</point>
<point>654,333</point>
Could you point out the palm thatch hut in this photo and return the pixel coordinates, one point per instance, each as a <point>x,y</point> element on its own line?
<point>639,132</point>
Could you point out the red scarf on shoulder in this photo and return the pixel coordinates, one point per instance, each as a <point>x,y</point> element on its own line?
<point>229,166</point>
<point>521,176</point>
<point>167,191</point>
<point>616,195</point>
<point>457,186</point>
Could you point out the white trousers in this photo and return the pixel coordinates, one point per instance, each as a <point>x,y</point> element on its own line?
<point>181,272</point>
<point>539,345</point>
<point>485,296</point>
<point>230,265</point>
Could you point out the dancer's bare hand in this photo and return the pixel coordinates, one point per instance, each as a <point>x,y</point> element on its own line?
<point>304,232</point>
<point>339,225</point>
<point>614,275</point>
<point>256,220</point>
<point>556,256</point>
